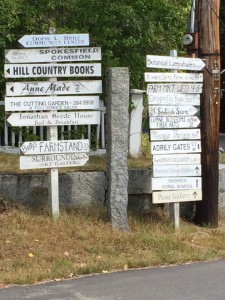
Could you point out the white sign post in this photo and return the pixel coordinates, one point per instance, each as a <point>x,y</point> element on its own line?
<point>46,98</point>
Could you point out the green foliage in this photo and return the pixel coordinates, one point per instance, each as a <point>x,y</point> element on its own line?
<point>126,30</point>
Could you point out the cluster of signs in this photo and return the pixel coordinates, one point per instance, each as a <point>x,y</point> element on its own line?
<point>49,102</point>
<point>174,121</point>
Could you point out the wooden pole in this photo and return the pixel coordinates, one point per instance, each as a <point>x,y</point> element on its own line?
<point>207,14</point>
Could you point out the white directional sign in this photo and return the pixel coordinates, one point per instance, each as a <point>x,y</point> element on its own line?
<point>54,118</point>
<point>52,147</point>
<point>52,55</point>
<point>177,170</point>
<point>177,88</point>
<point>176,196</point>
<point>174,122</point>
<point>173,110</point>
<point>52,70</point>
<point>173,99</point>
<point>175,134</point>
<point>175,147</point>
<point>173,77</point>
<point>51,103</point>
<point>172,159</point>
<point>176,63</point>
<point>54,40</point>
<point>53,88</point>
<point>53,160</point>
<point>176,183</point>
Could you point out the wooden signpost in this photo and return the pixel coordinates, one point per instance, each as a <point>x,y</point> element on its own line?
<point>45,99</point>
<point>175,139</point>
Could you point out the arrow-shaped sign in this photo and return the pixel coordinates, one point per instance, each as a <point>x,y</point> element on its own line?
<point>174,134</point>
<point>176,88</point>
<point>159,122</point>
<point>54,40</point>
<point>173,77</point>
<point>52,70</point>
<point>176,63</point>
<point>173,99</point>
<point>173,110</point>
<point>52,147</point>
<point>54,118</point>
<point>45,88</point>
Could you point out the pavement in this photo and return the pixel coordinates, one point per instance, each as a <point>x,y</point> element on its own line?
<point>196,281</point>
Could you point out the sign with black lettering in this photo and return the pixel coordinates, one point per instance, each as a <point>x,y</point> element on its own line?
<point>52,55</point>
<point>51,70</point>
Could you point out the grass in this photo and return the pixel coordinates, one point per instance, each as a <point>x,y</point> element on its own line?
<point>35,248</point>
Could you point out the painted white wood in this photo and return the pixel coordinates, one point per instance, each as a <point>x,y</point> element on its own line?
<point>177,170</point>
<point>173,99</point>
<point>176,88</point>
<point>54,118</point>
<point>176,183</point>
<point>55,146</point>
<point>175,63</point>
<point>175,134</point>
<point>54,40</point>
<point>165,147</point>
<point>174,122</point>
<point>51,103</point>
<point>53,88</point>
<point>47,70</point>
<point>135,124</point>
<point>171,159</point>
<point>52,55</point>
<point>53,160</point>
<point>173,110</point>
<point>176,196</point>
<point>173,77</point>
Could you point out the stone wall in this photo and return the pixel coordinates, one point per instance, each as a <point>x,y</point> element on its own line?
<point>84,188</point>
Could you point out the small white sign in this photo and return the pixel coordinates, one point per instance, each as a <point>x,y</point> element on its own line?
<point>173,110</point>
<point>165,147</point>
<point>54,118</point>
<point>172,159</point>
<point>173,77</point>
<point>52,55</point>
<point>53,160</point>
<point>173,99</point>
<point>54,40</point>
<point>45,88</point>
<point>51,147</point>
<point>176,183</point>
<point>175,134</point>
<point>52,70</point>
<point>159,122</point>
<point>176,88</point>
<point>175,63</point>
<point>51,103</point>
<point>177,170</point>
<point>176,196</point>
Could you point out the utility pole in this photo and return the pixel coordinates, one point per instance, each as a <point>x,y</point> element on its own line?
<point>207,17</point>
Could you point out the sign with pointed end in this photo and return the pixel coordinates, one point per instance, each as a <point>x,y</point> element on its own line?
<point>54,40</point>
